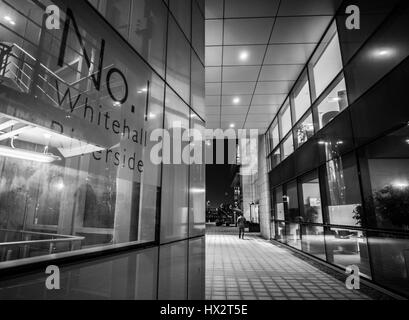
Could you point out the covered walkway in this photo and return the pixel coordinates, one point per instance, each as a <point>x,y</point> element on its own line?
<point>254,268</point>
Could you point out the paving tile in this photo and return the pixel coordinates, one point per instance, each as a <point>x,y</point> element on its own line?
<point>257,269</point>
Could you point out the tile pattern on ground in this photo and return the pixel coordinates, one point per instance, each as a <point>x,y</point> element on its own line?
<point>254,268</point>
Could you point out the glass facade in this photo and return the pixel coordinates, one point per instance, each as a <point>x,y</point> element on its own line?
<point>341,193</point>
<point>77,108</point>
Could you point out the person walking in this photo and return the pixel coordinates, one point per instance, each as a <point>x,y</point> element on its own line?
<point>241,223</point>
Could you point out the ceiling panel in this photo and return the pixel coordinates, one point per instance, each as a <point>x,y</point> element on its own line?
<point>310,7</point>
<point>257,8</point>
<point>289,53</point>
<point>213,89</point>
<point>275,87</point>
<point>299,29</point>
<point>254,55</point>
<point>213,32</point>
<point>237,100</point>
<point>244,55</point>
<point>212,101</point>
<point>268,99</point>
<point>213,74</point>
<point>241,73</point>
<point>213,9</point>
<point>231,88</point>
<point>269,109</point>
<point>213,56</point>
<point>280,72</point>
<point>235,110</point>
<point>247,31</point>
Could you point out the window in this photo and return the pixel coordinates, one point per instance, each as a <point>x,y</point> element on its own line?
<point>276,158</point>
<point>302,98</point>
<point>348,247</point>
<point>342,192</point>
<point>285,120</point>
<point>288,147</point>
<point>278,203</point>
<point>311,199</point>
<point>313,241</point>
<point>291,200</point>
<point>304,130</point>
<point>293,235</point>
<point>274,136</point>
<point>328,61</point>
<point>335,102</point>
<point>387,168</point>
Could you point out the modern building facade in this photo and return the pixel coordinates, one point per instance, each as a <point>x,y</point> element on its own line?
<point>337,151</point>
<point>81,100</point>
<point>79,189</point>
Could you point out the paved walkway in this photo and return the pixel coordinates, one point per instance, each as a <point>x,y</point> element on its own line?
<point>257,269</point>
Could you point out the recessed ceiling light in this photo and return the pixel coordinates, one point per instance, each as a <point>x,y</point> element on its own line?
<point>244,55</point>
<point>117,104</point>
<point>236,100</point>
<point>152,115</point>
<point>232,125</point>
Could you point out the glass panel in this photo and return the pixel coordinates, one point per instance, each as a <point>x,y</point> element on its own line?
<point>390,260</point>
<point>285,121</point>
<point>288,147</point>
<point>291,198</point>
<point>304,131</point>
<point>197,181</point>
<point>293,235</point>
<point>198,86</point>
<point>117,13</point>
<point>388,173</point>
<point>178,70</point>
<point>333,104</point>
<point>313,241</point>
<point>279,204</point>
<point>173,271</point>
<point>343,194</point>
<point>329,62</point>
<point>197,268</point>
<point>148,31</point>
<point>175,176</point>
<point>80,171</point>
<point>198,32</point>
<point>311,198</point>
<point>274,136</point>
<point>280,231</point>
<point>181,9</point>
<point>302,98</point>
<point>348,247</point>
<point>276,158</point>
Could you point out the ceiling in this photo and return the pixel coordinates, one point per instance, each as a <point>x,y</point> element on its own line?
<point>255,50</point>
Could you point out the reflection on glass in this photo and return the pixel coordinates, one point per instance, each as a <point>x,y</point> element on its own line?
<point>276,158</point>
<point>390,260</point>
<point>291,201</point>
<point>329,61</point>
<point>175,180</point>
<point>274,136</point>
<point>280,231</point>
<point>279,204</point>
<point>348,247</point>
<point>302,98</point>
<point>304,131</point>
<point>313,241</point>
<point>288,147</point>
<point>285,120</point>
<point>343,194</point>
<point>333,104</point>
<point>293,235</point>
<point>388,170</point>
<point>311,198</point>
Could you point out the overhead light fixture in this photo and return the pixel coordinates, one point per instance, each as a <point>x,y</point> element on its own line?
<point>117,104</point>
<point>383,53</point>
<point>28,155</point>
<point>197,190</point>
<point>152,115</point>
<point>232,125</point>
<point>407,141</point>
<point>236,100</point>
<point>400,184</point>
<point>244,55</point>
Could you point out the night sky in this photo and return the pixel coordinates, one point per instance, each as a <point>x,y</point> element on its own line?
<point>218,182</point>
